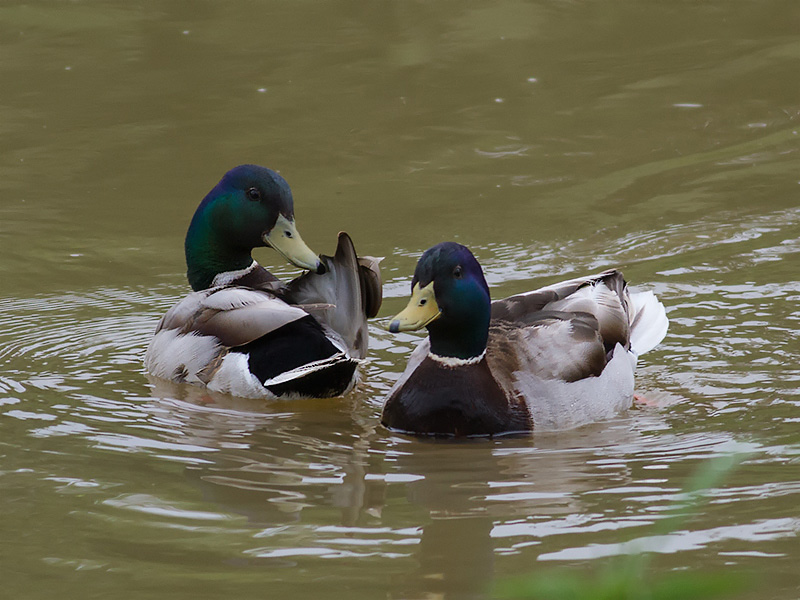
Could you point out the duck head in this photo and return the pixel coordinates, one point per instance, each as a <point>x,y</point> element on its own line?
<point>251,206</point>
<point>450,298</point>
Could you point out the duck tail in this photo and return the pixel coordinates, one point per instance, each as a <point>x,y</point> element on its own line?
<point>649,324</point>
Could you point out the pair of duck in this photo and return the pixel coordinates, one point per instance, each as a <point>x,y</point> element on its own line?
<point>487,368</point>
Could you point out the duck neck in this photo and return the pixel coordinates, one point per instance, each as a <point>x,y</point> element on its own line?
<point>457,341</point>
<point>208,254</point>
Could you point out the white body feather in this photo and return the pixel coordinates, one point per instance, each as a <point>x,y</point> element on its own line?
<point>556,405</point>
<point>180,356</point>
<point>234,377</point>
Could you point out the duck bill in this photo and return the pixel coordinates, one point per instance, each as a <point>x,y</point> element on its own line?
<point>422,309</point>
<point>285,238</point>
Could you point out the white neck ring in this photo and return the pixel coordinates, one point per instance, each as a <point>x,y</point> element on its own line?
<point>452,361</point>
<point>229,277</point>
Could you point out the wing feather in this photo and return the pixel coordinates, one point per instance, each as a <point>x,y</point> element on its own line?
<point>605,296</point>
<point>563,346</point>
<point>351,290</point>
<point>239,326</point>
<point>233,315</point>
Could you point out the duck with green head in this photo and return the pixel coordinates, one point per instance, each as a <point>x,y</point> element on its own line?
<point>244,332</point>
<point>553,358</point>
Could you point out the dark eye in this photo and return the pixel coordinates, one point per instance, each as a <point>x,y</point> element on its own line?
<point>254,194</point>
<point>457,272</point>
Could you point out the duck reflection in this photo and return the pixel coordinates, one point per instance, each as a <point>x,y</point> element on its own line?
<point>271,461</point>
<point>324,475</point>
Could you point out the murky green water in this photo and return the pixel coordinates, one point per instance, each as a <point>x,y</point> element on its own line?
<point>554,138</point>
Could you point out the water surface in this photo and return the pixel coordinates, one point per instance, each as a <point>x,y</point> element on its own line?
<point>554,138</point>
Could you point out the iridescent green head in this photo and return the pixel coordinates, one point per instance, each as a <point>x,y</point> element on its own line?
<point>251,206</point>
<point>449,297</point>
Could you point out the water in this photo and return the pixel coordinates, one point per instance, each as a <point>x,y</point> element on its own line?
<point>553,138</point>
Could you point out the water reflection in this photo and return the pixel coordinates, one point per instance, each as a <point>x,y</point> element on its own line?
<point>553,138</point>
<point>351,491</point>
<point>312,483</point>
<point>448,507</point>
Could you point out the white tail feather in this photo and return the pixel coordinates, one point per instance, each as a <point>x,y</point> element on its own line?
<point>649,324</point>
<point>303,370</point>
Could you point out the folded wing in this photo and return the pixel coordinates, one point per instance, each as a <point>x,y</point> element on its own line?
<point>568,331</point>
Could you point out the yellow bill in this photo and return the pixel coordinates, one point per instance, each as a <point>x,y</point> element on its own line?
<point>285,238</point>
<point>421,310</point>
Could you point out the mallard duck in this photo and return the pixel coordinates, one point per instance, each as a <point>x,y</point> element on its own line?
<point>244,332</point>
<point>553,358</point>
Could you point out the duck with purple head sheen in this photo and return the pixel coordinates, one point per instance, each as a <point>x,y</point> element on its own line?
<point>554,358</point>
<point>244,332</point>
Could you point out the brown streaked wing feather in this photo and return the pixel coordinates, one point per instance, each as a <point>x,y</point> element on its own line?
<point>233,315</point>
<point>517,307</point>
<point>604,295</point>
<point>609,308</point>
<point>241,325</point>
<point>183,312</point>
<point>229,298</point>
<point>563,346</point>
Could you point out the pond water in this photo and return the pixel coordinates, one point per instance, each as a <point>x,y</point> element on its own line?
<point>555,138</point>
